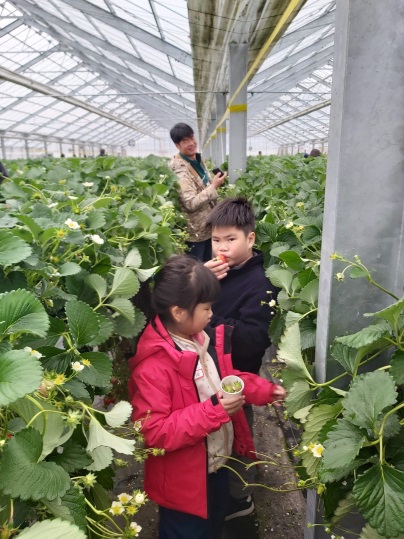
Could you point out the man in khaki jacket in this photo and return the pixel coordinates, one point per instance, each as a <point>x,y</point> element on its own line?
<point>197,190</point>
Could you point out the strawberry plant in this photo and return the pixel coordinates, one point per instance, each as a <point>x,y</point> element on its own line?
<point>77,239</point>
<point>352,439</point>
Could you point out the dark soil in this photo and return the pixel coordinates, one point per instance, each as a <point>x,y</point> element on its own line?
<point>278,515</point>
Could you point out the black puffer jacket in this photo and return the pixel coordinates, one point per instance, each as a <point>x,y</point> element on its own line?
<point>239,305</point>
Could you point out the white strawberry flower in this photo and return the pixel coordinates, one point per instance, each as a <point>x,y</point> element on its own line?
<point>317,450</point>
<point>139,498</point>
<point>72,197</point>
<point>53,205</point>
<point>72,224</point>
<point>88,184</point>
<point>116,508</point>
<point>35,353</point>
<point>77,366</point>
<point>96,239</point>
<point>135,529</point>
<point>124,497</point>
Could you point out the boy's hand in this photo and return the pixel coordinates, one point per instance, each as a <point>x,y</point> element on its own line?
<point>218,267</point>
<point>232,404</point>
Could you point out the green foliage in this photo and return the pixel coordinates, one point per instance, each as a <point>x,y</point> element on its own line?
<point>77,239</point>
<point>23,476</point>
<point>20,373</point>
<point>345,432</point>
<point>352,439</point>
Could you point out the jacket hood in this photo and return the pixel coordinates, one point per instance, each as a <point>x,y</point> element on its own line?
<point>157,342</point>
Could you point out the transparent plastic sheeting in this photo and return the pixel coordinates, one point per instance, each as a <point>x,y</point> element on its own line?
<point>132,59</point>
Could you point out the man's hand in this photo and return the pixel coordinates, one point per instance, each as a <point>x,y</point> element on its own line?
<point>218,267</point>
<point>232,404</point>
<point>218,179</point>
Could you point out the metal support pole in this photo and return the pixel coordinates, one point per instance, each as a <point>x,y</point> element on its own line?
<point>208,151</point>
<point>213,141</point>
<point>221,131</point>
<point>3,149</point>
<point>45,146</point>
<point>238,111</point>
<point>26,148</point>
<point>364,215</point>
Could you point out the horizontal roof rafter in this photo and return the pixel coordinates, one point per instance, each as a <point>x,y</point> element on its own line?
<point>48,90</point>
<point>131,30</point>
<point>50,19</point>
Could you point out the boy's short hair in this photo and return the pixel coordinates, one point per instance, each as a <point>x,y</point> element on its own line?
<point>235,212</point>
<point>181,131</point>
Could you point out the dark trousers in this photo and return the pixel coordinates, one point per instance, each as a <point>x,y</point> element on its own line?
<point>178,525</point>
<point>200,249</point>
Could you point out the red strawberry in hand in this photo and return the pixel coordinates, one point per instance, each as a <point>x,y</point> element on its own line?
<point>220,258</point>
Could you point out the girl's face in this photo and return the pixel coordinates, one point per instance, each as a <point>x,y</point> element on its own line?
<point>187,324</point>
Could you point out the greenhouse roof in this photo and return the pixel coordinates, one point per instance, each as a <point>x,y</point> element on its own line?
<point>114,71</point>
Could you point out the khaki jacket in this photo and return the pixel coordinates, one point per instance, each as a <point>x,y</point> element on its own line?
<point>196,200</point>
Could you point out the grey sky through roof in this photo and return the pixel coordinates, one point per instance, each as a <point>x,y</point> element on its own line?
<point>116,71</point>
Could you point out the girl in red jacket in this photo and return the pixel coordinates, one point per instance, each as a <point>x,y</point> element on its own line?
<point>175,391</point>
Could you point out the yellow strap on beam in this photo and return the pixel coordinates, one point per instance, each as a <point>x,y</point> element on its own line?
<point>255,65</point>
<point>242,107</point>
<point>221,130</point>
<point>213,136</point>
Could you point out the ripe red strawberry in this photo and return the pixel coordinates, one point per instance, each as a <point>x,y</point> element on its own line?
<point>220,258</point>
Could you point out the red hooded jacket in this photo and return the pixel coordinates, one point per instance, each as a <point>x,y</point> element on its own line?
<point>163,394</point>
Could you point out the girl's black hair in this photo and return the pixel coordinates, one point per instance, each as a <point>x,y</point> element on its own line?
<point>185,282</point>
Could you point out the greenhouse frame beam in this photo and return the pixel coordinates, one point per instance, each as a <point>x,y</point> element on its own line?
<point>296,115</point>
<point>12,26</point>
<point>284,82</point>
<point>304,31</point>
<point>104,45</point>
<point>41,138</point>
<point>131,30</point>
<point>155,105</point>
<point>98,67</point>
<point>52,120</point>
<point>140,79</point>
<point>40,57</point>
<point>290,61</point>
<point>32,93</point>
<point>48,90</point>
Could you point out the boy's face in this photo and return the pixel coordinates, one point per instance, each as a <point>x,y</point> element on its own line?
<point>233,244</point>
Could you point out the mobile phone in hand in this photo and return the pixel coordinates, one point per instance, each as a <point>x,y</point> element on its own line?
<point>217,171</point>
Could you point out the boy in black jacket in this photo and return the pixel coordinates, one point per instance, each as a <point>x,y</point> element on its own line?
<point>244,287</point>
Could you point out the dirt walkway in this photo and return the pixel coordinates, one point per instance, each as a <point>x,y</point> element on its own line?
<point>278,515</point>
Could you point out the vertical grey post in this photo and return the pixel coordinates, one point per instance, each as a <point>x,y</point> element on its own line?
<point>364,211</point>
<point>238,111</point>
<point>221,131</point>
<point>26,148</point>
<point>3,149</point>
<point>213,141</point>
<point>208,151</point>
